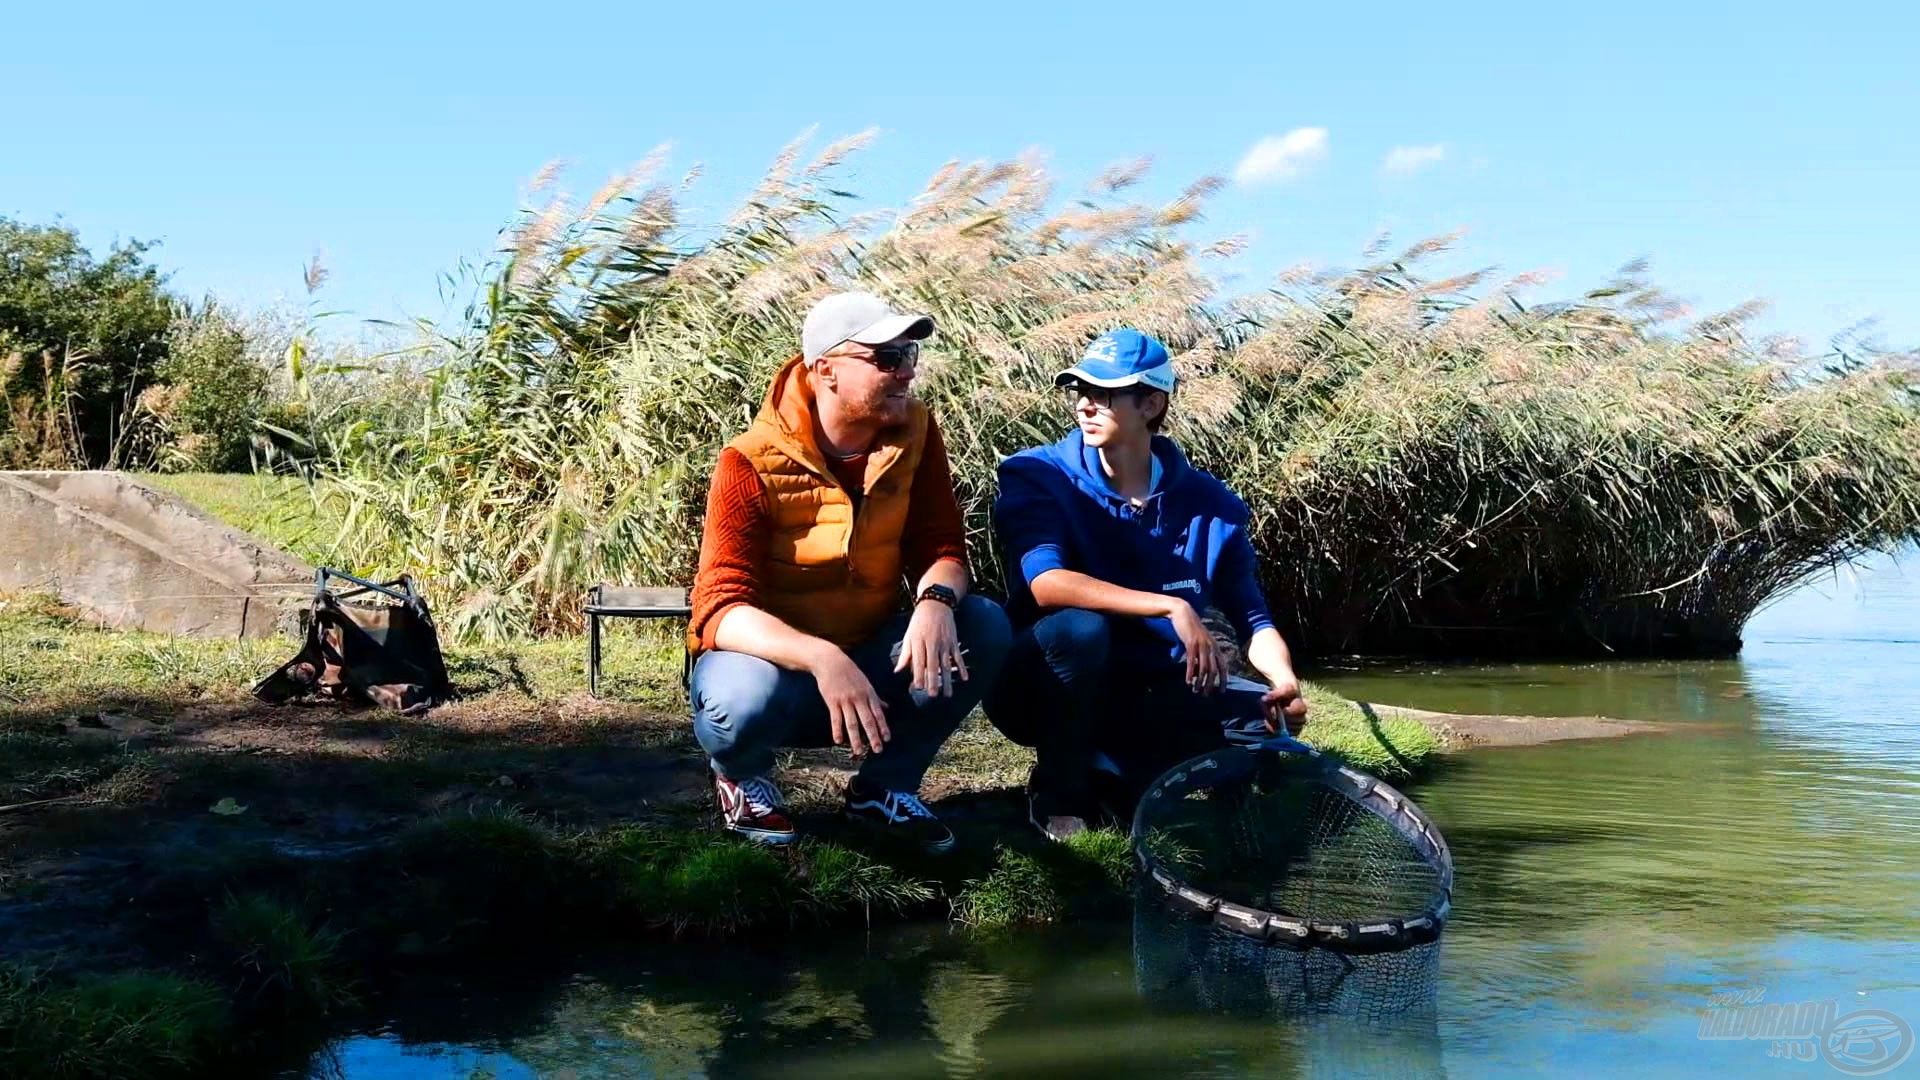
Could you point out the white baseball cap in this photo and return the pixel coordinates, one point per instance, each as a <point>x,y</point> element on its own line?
<point>856,316</point>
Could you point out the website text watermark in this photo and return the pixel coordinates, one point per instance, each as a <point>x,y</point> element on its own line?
<point>1861,1042</point>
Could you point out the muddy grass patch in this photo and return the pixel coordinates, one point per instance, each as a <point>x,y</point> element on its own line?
<point>37,765</point>
<point>135,1024</point>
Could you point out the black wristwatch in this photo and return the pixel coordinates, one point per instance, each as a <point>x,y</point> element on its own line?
<point>941,593</point>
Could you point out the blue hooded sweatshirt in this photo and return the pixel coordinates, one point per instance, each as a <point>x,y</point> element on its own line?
<point>1056,511</point>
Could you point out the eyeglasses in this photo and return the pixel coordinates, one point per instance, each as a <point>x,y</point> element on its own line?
<point>1100,397</point>
<point>894,355</point>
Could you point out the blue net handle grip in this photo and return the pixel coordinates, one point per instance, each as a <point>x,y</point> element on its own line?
<point>1260,740</point>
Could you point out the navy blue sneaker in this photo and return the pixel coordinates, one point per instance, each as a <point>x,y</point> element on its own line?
<point>901,814</point>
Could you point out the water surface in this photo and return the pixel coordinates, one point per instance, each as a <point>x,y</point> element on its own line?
<point>1608,891</point>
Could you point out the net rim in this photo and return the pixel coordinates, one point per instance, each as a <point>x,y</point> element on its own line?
<point>1278,928</point>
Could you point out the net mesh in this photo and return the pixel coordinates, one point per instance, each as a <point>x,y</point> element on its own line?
<point>1287,838</point>
<point>1187,962</point>
<point>1280,839</point>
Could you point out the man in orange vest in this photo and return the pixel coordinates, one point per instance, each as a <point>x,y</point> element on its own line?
<point>838,491</point>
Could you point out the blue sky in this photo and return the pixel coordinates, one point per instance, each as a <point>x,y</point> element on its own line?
<point>1758,152</point>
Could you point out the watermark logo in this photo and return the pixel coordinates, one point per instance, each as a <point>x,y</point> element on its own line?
<point>1865,1042</point>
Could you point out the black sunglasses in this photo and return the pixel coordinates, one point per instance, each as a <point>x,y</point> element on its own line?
<point>1101,397</point>
<point>894,355</point>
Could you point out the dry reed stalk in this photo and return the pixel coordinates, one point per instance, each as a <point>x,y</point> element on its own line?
<point>1570,476</point>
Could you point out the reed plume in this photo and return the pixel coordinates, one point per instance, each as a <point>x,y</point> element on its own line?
<point>1432,464</point>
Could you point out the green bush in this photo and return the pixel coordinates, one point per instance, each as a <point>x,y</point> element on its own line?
<point>211,393</point>
<point>79,339</point>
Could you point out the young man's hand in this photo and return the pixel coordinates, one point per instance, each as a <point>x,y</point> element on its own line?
<point>931,648</point>
<point>857,714</point>
<point>1206,668</point>
<point>1285,705</point>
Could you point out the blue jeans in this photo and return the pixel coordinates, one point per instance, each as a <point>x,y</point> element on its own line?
<point>745,708</point>
<point>1065,695</point>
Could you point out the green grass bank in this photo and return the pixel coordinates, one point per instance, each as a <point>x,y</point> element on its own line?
<point>189,874</point>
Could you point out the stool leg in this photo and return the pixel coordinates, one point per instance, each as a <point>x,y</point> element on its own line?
<point>593,656</point>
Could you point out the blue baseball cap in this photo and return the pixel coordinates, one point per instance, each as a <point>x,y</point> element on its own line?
<point>1122,358</point>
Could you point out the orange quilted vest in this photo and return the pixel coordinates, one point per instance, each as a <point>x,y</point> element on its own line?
<point>829,572</point>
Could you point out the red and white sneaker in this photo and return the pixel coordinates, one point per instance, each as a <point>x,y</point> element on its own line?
<point>753,808</point>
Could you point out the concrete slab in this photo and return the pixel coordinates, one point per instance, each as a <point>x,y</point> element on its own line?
<point>135,557</point>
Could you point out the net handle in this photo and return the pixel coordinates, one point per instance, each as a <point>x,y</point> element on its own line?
<point>1281,741</point>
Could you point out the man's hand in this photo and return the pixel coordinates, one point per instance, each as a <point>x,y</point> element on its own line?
<point>1285,705</point>
<point>1206,669</point>
<point>855,710</point>
<point>931,648</point>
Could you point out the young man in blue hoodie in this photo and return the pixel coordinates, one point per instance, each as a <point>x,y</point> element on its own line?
<point>1116,546</point>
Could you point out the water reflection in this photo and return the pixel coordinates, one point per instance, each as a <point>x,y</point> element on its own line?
<point>1606,889</point>
<point>1359,1016</point>
<point>614,1031</point>
<point>962,1004</point>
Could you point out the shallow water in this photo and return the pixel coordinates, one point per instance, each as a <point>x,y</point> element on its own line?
<point>1608,891</point>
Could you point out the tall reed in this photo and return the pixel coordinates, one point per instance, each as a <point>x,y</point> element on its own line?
<point>1431,464</point>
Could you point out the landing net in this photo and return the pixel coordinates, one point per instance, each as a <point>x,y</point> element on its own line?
<point>1280,882</point>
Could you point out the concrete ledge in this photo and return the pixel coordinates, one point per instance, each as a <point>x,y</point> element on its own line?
<point>133,557</point>
<point>1464,731</point>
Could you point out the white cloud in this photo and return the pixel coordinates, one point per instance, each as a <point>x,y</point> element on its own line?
<point>1282,157</point>
<point>1407,160</point>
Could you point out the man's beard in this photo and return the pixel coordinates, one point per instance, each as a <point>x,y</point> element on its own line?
<point>883,410</point>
